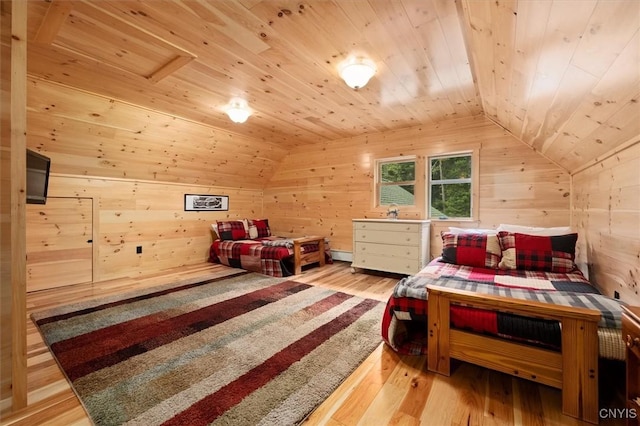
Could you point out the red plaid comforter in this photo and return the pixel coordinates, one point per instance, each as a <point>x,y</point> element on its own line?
<point>252,255</point>
<point>404,325</point>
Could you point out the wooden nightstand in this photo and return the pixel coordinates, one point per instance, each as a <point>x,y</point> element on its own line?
<point>631,335</point>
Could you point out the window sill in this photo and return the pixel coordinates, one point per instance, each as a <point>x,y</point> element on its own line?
<point>454,220</point>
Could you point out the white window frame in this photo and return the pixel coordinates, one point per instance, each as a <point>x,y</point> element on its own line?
<point>378,176</point>
<point>471,180</point>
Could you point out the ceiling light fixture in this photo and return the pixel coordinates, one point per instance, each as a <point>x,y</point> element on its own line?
<point>357,71</point>
<point>238,110</point>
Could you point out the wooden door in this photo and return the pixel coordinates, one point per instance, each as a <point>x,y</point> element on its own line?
<point>59,243</point>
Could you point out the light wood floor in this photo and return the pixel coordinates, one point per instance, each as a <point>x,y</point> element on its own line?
<point>387,389</point>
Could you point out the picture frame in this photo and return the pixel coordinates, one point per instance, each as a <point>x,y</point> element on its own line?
<point>205,202</point>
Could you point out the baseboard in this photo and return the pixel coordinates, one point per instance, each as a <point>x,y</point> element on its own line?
<point>346,256</point>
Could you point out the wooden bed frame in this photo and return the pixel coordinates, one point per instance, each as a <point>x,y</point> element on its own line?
<point>574,370</point>
<point>301,259</point>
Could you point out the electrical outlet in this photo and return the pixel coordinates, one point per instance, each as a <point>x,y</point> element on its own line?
<point>616,295</point>
<point>139,249</point>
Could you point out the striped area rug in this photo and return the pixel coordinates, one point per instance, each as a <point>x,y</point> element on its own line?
<point>241,350</point>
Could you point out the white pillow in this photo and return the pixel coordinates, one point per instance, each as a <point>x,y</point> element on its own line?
<point>253,232</point>
<point>533,230</point>
<point>456,231</point>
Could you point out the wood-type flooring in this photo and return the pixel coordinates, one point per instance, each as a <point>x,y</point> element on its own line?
<point>387,389</point>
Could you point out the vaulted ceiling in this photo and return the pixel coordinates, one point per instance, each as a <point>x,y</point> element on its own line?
<point>562,76</point>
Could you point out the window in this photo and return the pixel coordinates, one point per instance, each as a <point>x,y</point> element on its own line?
<point>396,181</point>
<point>450,186</point>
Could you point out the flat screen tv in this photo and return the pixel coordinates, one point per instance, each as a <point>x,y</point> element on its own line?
<point>37,177</point>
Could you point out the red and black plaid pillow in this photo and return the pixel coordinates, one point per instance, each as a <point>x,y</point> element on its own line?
<point>232,230</point>
<point>262,226</point>
<point>481,250</point>
<point>536,253</point>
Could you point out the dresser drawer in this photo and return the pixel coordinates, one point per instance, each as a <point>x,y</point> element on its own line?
<point>391,225</point>
<point>387,237</point>
<point>390,250</point>
<point>389,264</point>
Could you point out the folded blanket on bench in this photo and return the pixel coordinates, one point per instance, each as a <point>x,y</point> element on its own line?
<point>278,243</point>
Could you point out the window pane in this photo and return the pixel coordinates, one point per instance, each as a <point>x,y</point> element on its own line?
<point>398,172</point>
<point>402,195</point>
<point>451,168</point>
<point>451,200</point>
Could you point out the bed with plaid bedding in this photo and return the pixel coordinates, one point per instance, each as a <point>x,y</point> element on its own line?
<point>264,255</point>
<point>404,325</point>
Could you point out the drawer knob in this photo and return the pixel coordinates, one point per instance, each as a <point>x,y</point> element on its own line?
<point>632,341</point>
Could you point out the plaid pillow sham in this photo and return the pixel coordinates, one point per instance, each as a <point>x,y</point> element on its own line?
<point>232,230</point>
<point>262,226</point>
<point>537,253</point>
<point>480,250</point>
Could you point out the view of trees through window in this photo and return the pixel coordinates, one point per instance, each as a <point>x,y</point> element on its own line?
<point>450,186</point>
<point>397,182</point>
<point>449,190</point>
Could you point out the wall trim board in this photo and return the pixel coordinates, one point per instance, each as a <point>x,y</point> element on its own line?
<point>620,148</point>
<point>523,142</point>
<point>13,332</point>
<point>345,256</point>
<point>153,182</point>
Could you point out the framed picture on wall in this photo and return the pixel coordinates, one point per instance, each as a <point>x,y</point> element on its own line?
<point>195,202</point>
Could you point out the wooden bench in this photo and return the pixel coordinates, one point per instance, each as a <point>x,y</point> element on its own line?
<point>301,259</point>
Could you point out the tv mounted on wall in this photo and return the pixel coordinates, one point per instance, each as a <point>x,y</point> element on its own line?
<point>37,177</point>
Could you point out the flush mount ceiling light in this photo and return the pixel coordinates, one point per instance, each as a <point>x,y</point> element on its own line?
<point>238,110</point>
<point>356,72</point>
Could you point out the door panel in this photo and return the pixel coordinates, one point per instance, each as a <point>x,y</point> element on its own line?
<point>59,243</point>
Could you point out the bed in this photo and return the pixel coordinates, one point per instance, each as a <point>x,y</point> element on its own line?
<point>494,301</point>
<point>249,245</point>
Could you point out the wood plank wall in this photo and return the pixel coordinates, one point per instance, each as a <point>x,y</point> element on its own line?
<point>91,135</point>
<point>129,213</point>
<point>606,214</point>
<point>136,165</point>
<point>319,188</point>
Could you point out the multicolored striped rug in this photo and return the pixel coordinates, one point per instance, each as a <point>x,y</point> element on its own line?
<point>242,350</point>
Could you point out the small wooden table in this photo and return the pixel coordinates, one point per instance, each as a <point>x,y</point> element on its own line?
<point>300,259</point>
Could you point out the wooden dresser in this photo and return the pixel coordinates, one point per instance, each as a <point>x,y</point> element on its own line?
<point>631,335</point>
<point>400,246</point>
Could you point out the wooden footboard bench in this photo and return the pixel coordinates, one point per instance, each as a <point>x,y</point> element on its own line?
<point>574,370</point>
<point>301,259</point>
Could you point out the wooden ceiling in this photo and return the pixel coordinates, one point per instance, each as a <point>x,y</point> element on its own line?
<point>562,76</point>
